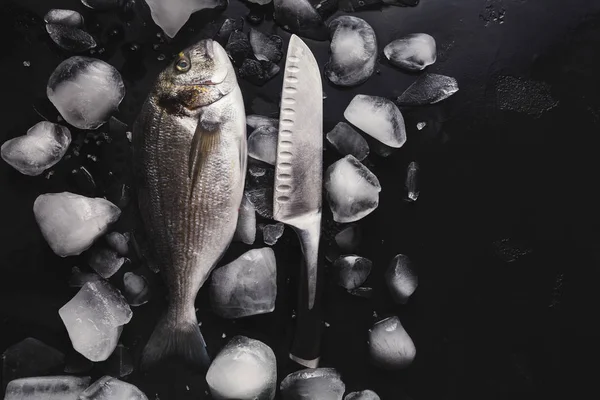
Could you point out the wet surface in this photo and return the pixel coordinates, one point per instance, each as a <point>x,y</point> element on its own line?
<point>491,170</point>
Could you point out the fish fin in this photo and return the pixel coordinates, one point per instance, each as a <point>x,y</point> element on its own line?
<point>203,143</point>
<point>243,156</point>
<point>171,338</point>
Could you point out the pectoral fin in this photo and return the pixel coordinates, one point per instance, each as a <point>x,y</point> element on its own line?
<point>203,144</point>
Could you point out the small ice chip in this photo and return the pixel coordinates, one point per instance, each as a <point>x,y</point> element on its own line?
<point>64,17</point>
<point>106,262</point>
<point>47,388</point>
<point>390,347</point>
<point>256,121</point>
<point>86,91</point>
<point>347,141</point>
<point>299,17</point>
<point>136,289</point>
<point>70,38</point>
<point>109,388</point>
<point>247,286</point>
<point>94,319</point>
<point>412,181</point>
<point>262,144</point>
<point>377,117</point>
<point>118,242</point>
<point>170,16</point>
<point>401,278</point>
<point>245,369</point>
<point>352,271</point>
<point>348,238</point>
<point>266,48</point>
<point>70,223</point>
<point>413,52</point>
<point>421,125</point>
<point>428,89</point>
<point>310,384</point>
<point>245,231</point>
<point>352,190</point>
<point>353,51</point>
<point>30,357</point>
<point>42,147</point>
<point>272,233</point>
<point>363,395</point>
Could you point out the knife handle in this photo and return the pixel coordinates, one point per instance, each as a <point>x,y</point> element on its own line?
<point>306,346</point>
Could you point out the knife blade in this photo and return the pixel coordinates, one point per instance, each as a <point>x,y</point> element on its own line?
<point>297,190</point>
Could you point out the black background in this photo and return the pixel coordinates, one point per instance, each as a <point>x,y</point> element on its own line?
<point>482,327</point>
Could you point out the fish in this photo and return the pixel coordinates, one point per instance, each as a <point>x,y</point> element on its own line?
<point>189,157</point>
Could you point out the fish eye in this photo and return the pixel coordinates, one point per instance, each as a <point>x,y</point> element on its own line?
<point>183,65</point>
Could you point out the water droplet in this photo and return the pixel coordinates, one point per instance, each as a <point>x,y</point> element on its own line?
<point>134,47</point>
<point>161,57</point>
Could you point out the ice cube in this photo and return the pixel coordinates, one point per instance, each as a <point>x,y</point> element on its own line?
<point>266,48</point>
<point>30,357</point>
<point>109,388</point>
<point>119,364</point>
<point>401,278</point>
<point>272,233</point>
<point>352,190</point>
<point>260,2</point>
<point>238,47</point>
<point>170,16</point>
<point>262,200</point>
<point>352,271</point>
<point>245,231</point>
<point>258,72</point>
<point>106,262</point>
<point>256,121</point>
<point>363,395</point>
<point>118,242</point>
<point>377,117</point>
<point>94,319</point>
<point>46,388</point>
<point>70,223</point>
<point>229,25</point>
<point>247,286</point>
<point>102,4</point>
<point>245,369</point>
<point>299,17</point>
<point>348,238</point>
<point>413,52</point>
<point>412,181</point>
<point>421,125</point>
<point>70,38</point>
<point>64,17</point>
<point>309,384</point>
<point>390,347</point>
<point>347,141</point>
<point>43,146</point>
<point>353,51</point>
<point>136,289</point>
<point>86,91</point>
<point>79,278</point>
<point>262,144</point>
<point>428,89</point>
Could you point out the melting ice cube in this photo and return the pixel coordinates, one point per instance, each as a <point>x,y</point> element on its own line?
<point>272,233</point>
<point>377,117</point>
<point>109,388</point>
<point>42,147</point>
<point>412,181</point>
<point>413,52</point>
<point>70,223</point>
<point>262,144</point>
<point>352,190</point>
<point>64,17</point>
<point>106,262</point>
<point>266,48</point>
<point>299,17</point>
<point>401,278</point>
<point>348,238</point>
<point>390,347</point>
<point>172,15</point>
<point>353,51</point>
<point>86,91</point>
<point>309,384</point>
<point>118,242</point>
<point>428,89</point>
<point>247,286</point>
<point>256,121</point>
<point>347,141</point>
<point>363,395</point>
<point>136,289</point>
<point>30,357</point>
<point>352,271</point>
<point>94,319</point>
<point>46,388</point>
<point>246,369</point>
<point>245,231</point>
<point>70,38</point>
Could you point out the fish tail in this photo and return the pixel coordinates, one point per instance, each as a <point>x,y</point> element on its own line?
<point>176,336</point>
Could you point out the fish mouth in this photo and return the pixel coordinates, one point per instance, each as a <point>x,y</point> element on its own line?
<point>211,82</point>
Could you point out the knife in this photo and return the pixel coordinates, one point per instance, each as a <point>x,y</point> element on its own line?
<point>298,186</point>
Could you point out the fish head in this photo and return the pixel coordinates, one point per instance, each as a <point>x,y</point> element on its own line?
<point>200,75</point>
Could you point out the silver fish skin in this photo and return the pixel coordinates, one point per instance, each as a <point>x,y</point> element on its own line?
<point>190,160</point>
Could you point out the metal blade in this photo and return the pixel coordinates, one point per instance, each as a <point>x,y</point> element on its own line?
<point>299,167</point>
